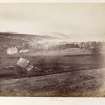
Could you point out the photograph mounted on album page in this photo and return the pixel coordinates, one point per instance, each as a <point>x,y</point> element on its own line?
<point>52,49</point>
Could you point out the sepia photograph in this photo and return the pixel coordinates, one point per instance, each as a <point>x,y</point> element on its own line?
<point>52,49</point>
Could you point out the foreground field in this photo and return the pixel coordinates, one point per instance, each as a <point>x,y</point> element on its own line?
<point>77,83</point>
<point>60,76</point>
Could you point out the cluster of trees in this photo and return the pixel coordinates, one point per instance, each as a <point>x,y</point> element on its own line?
<point>86,45</point>
<point>89,45</point>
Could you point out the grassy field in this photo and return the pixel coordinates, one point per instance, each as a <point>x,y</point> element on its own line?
<point>78,83</point>
<point>68,72</point>
<point>76,75</point>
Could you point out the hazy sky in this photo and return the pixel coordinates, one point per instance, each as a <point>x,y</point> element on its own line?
<point>78,22</point>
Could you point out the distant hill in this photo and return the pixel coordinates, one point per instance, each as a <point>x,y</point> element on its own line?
<point>35,41</point>
<point>26,37</point>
